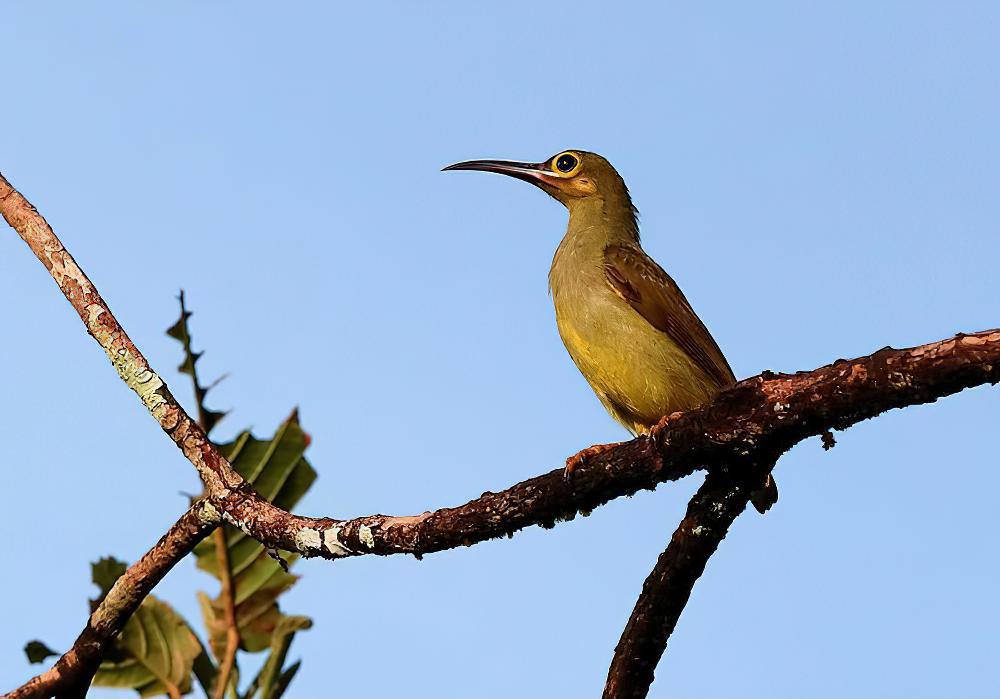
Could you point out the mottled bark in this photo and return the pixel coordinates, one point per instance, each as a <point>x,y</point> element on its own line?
<point>127,360</point>
<point>767,414</point>
<point>71,675</point>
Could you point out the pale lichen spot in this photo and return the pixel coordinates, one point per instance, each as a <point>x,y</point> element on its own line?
<point>140,378</point>
<point>132,369</point>
<point>307,540</point>
<point>331,540</point>
<point>209,514</point>
<point>365,535</point>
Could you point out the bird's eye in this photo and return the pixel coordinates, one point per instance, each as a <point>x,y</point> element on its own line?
<point>566,162</point>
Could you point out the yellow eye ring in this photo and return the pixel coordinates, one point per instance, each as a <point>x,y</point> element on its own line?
<point>566,164</point>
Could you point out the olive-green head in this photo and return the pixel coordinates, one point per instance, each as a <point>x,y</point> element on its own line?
<point>572,176</point>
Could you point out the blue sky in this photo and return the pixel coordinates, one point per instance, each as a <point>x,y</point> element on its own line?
<point>820,178</point>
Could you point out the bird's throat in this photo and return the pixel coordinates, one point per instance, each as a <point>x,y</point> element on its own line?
<point>603,221</point>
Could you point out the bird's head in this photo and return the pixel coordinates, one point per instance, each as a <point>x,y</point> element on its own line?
<point>572,176</point>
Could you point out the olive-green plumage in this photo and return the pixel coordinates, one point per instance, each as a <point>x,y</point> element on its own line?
<point>626,324</point>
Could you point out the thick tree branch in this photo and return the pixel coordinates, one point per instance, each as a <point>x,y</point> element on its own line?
<point>765,414</point>
<point>71,675</point>
<point>837,399</point>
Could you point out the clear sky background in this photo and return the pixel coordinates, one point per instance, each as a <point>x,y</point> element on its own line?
<point>821,179</point>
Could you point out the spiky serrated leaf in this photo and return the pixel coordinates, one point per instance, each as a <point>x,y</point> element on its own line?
<point>181,332</point>
<point>280,473</point>
<point>38,651</point>
<point>190,359</point>
<point>178,330</point>
<point>211,418</point>
<point>156,652</point>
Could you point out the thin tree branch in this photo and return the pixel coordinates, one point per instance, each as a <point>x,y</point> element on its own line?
<point>668,587</point>
<point>132,367</point>
<point>764,414</point>
<point>71,675</point>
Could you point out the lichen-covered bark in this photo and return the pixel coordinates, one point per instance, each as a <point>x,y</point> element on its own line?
<point>127,360</point>
<point>72,673</point>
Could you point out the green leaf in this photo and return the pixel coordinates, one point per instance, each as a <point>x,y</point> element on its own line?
<point>154,653</point>
<point>205,670</point>
<point>279,471</point>
<point>38,651</point>
<point>285,679</point>
<point>105,573</point>
<point>271,681</point>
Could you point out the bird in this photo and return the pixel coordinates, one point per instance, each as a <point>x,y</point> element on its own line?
<point>626,324</point>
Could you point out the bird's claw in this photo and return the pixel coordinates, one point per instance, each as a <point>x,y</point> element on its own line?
<point>584,455</point>
<point>571,465</point>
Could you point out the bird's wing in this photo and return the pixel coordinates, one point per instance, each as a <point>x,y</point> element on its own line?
<point>649,290</point>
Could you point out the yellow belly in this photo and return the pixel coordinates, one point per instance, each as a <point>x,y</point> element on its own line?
<point>637,371</point>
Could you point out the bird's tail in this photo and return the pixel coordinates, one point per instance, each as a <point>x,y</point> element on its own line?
<point>766,496</point>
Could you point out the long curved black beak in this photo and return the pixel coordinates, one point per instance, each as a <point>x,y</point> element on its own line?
<point>529,172</point>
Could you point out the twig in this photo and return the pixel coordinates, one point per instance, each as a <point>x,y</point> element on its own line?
<point>227,592</point>
<point>228,595</point>
<point>72,673</point>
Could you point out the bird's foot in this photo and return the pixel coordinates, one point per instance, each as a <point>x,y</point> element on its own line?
<point>664,421</point>
<point>581,457</point>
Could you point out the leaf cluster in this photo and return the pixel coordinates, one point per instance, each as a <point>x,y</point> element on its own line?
<point>158,653</point>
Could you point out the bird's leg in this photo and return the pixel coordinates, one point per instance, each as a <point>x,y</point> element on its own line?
<point>581,457</point>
